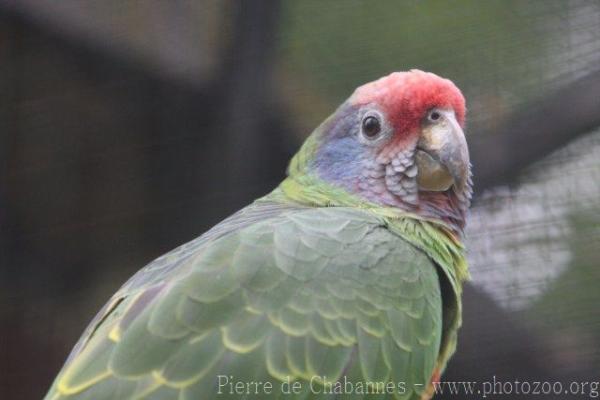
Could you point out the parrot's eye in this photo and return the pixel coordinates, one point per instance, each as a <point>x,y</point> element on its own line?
<point>371,127</point>
<point>434,116</point>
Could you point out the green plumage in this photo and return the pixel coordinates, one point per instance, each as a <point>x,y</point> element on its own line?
<point>276,291</point>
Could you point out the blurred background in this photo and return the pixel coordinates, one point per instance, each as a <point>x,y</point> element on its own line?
<point>130,127</point>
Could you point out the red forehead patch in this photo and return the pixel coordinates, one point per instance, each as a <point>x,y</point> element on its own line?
<point>407,96</point>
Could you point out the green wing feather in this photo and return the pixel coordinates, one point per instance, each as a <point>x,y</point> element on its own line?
<point>273,293</point>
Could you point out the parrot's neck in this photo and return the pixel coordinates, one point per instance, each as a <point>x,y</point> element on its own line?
<point>309,190</point>
<point>450,206</point>
<point>305,184</point>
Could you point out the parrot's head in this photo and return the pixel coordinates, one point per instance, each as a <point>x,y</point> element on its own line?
<point>399,142</point>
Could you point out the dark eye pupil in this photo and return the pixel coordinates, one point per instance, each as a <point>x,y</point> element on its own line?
<point>434,116</point>
<point>371,127</point>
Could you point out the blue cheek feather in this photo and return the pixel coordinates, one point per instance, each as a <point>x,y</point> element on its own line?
<point>340,161</point>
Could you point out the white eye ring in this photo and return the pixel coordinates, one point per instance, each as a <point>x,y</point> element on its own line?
<point>371,127</point>
<point>434,116</point>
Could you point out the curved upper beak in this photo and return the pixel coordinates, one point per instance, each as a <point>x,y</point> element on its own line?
<point>442,154</point>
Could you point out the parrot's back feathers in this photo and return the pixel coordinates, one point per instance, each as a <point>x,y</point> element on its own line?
<point>271,294</point>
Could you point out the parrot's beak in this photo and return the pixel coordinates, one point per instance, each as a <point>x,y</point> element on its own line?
<point>442,154</point>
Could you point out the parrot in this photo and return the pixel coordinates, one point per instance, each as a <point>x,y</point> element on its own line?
<point>345,281</point>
